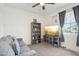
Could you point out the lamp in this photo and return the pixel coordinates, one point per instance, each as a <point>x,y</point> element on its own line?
<point>42,4</point>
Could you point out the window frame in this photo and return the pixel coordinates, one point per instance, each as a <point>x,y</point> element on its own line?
<point>69,21</point>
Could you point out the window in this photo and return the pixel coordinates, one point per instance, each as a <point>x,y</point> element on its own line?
<point>70,25</point>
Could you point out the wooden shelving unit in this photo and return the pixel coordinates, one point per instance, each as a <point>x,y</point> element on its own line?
<point>35,33</point>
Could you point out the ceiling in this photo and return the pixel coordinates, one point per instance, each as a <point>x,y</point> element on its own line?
<point>38,9</point>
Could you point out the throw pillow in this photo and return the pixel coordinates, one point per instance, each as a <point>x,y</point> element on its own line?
<point>6,49</point>
<point>21,42</point>
<point>16,46</point>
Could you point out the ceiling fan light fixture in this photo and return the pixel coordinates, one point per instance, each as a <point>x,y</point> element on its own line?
<point>42,4</point>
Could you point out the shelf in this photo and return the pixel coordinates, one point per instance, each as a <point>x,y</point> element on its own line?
<point>35,32</point>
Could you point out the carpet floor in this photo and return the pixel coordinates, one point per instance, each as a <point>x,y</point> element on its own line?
<point>45,49</point>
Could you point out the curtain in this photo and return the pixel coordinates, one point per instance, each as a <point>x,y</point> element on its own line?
<point>76,14</point>
<point>61,19</point>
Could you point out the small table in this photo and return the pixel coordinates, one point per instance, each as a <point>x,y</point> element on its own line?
<point>52,40</point>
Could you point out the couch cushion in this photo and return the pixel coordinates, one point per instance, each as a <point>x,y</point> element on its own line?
<point>28,53</point>
<point>16,47</point>
<point>6,49</point>
<point>24,49</point>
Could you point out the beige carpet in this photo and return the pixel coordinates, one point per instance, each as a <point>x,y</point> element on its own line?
<point>44,49</point>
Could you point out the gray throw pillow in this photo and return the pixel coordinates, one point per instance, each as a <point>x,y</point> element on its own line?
<point>6,49</point>
<point>7,38</point>
<point>21,42</point>
<point>16,47</point>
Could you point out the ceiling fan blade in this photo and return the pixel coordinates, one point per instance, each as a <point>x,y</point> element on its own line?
<point>35,5</point>
<point>49,3</point>
<point>43,7</point>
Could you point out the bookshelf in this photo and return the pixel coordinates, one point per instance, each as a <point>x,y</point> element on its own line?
<point>35,33</point>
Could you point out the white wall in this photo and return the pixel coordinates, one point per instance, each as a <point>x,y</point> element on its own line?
<point>17,22</point>
<point>70,38</point>
<point>1,24</point>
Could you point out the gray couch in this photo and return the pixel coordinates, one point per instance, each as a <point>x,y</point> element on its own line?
<point>10,46</point>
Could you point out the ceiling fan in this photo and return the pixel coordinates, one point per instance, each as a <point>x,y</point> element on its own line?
<point>42,4</point>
